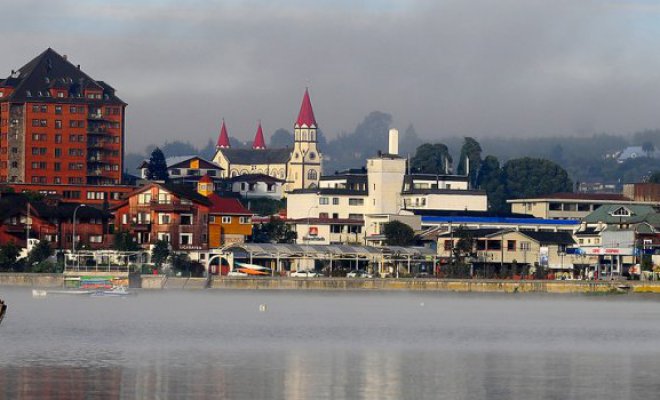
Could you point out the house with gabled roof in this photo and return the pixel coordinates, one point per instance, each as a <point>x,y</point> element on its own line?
<point>186,169</point>
<point>177,214</point>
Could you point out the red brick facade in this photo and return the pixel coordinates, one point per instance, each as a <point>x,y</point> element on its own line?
<point>59,126</point>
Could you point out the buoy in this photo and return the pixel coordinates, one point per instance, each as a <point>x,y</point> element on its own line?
<point>262,307</point>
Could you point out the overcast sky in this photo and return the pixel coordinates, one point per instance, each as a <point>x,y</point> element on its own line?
<point>451,67</point>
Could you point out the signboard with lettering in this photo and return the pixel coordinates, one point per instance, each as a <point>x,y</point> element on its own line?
<point>313,231</point>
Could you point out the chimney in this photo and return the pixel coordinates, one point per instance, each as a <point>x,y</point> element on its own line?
<point>394,142</point>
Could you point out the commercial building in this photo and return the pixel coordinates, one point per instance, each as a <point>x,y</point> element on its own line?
<point>59,126</point>
<point>566,205</point>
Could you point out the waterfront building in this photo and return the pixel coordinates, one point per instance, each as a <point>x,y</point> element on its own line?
<point>355,204</point>
<point>229,221</point>
<point>300,166</point>
<point>507,252</point>
<point>22,218</point>
<point>59,126</point>
<point>176,214</point>
<point>567,205</point>
<point>253,186</point>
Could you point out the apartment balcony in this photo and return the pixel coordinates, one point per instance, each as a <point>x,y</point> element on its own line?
<point>99,172</point>
<point>97,131</point>
<point>173,206</point>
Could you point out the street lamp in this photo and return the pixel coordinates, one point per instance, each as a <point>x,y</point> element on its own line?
<point>73,238</point>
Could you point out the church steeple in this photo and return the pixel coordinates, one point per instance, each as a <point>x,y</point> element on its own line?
<point>223,139</point>
<point>259,142</point>
<point>306,114</point>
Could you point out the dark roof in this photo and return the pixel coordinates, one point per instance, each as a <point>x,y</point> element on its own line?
<point>438,177</point>
<point>550,237</point>
<point>444,191</point>
<point>459,213</point>
<point>580,196</point>
<point>328,221</point>
<point>225,205</point>
<point>250,156</point>
<point>252,178</point>
<point>186,192</point>
<point>331,191</point>
<point>50,69</point>
<point>474,232</point>
<point>12,204</point>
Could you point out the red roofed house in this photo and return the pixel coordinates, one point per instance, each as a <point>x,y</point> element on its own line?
<point>229,221</point>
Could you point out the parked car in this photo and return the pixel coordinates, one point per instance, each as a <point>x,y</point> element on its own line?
<point>356,273</point>
<point>304,274</point>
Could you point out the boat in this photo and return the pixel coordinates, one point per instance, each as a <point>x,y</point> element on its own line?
<point>42,293</point>
<point>252,269</point>
<point>3,310</point>
<point>117,291</point>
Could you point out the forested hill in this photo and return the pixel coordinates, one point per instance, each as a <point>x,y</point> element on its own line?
<point>587,159</point>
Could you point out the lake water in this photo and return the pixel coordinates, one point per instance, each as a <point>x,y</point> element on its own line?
<point>217,344</point>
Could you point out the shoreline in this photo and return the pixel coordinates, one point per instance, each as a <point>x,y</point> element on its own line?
<point>161,282</point>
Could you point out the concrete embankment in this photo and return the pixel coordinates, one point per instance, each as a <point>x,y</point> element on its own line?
<point>162,282</point>
<point>467,286</point>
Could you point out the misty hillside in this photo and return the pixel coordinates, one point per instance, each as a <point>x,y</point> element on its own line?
<point>587,159</point>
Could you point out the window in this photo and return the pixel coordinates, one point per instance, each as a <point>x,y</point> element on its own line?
<point>312,175</point>
<point>212,219</point>
<point>58,138</point>
<point>186,219</point>
<point>226,220</point>
<point>335,201</point>
<point>355,216</point>
<point>511,245</point>
<point>355,202</point>
<point>244,220</point>
<point>323,215</point>
<point>163,219</point>
<point>58,124</point>
<point>96,239</point>
<point>124,219</point>
<point>164,236</point>
<point>185,238</point>
<point>175,171</point>
<point>525,246</point>
<point>58,152</point>
<point>448,245</point>
<point>323,201</point>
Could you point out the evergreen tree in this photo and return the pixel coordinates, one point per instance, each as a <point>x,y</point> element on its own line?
<point>399,234</point>
<point>160,252</point>
<point>124,242</point>
<point>281,138</point>
<point>490,180</point>
<point>528,177</point>
<point>471,150</point>
<point>157,167</point>
<point>432,159</point>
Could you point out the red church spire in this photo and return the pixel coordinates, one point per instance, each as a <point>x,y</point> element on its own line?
<point>223,139</point>
<point>306,115</point>
<point>259,142</point>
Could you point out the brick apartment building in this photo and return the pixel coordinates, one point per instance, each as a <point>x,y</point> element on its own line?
<point>59,126</point>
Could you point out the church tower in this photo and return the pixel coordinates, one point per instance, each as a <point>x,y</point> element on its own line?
<point>305,165</point>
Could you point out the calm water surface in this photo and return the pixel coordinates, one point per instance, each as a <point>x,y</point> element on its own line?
<point>340,345</point>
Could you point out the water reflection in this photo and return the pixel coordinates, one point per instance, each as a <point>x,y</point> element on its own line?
<point>216,345</point>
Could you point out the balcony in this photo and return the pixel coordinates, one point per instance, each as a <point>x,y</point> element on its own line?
<point>97,131</point>
<point>95,116</point>
<point>172,206</point>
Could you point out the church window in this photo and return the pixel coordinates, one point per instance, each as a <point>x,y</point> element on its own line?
<point>295,155</point>
<point>312,155</point>
<point>312,175</point>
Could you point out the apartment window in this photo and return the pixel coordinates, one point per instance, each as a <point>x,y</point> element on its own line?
<point>58,152</point>
<point>355,216</point>
<point>511,245</point>
<point>71,194</point>
<point>323,201</point>
<point>35,122</point>
<point>336,228</point>
<point>96,239</point>
<point>335,201</point>
<point>144,198</point>
<point>44,108</point>
<point>43,123</point>
<point>164,198</point>
<point>185,238</point>
<point>448,245</point>
<point>323,215</point>
<point>57,180</point>
<point>58,124</point>
<point>186,219</point>
<point>525,246</point>
<point>244,220</point>
<point>73,138</point>
<point>226,220</point>
<point>164,236</point>
<point>58,138</point>
<point>164,218</point>
<point>35,108</point>
<point>355,202</point>
<point>175,171</point>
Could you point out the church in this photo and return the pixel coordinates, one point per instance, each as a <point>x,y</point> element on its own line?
<point>300,167</point>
